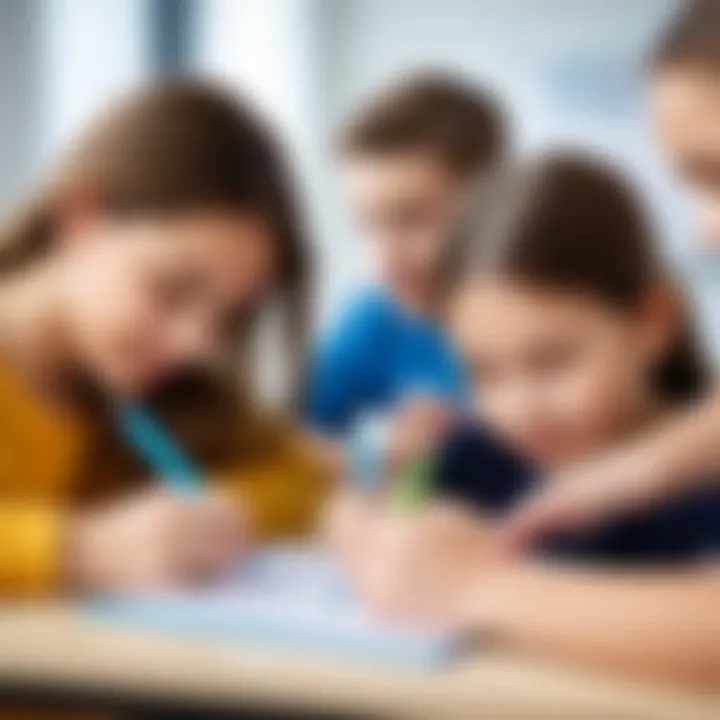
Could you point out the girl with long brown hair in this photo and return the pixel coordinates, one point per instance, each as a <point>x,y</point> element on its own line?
<point>574,338</point>
<point>141,270</point>
<point>683,452</point>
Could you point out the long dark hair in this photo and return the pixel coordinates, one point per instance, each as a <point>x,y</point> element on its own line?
<point>570,221</point>
<point>175,147</point>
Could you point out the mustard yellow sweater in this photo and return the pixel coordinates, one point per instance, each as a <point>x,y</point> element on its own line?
<point>39,460</point>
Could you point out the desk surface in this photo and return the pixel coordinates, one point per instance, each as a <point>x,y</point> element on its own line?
<point>60,647</point>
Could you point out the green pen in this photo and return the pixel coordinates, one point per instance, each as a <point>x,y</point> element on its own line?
<point>414,486</point>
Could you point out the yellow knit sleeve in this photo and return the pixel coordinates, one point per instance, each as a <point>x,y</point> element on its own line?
<point>282,490</point>
<point>30,537</point>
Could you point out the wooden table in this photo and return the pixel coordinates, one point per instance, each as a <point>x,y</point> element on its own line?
<point>56,653</point>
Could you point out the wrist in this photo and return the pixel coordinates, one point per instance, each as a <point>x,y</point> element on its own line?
<point>496,601</point>
<point>79,556</point>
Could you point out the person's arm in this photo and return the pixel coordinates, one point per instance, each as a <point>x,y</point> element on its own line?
<point>688,445</point>
<point>672,459</point>
<point>442,567</point>
<point>656,624</point>
<point>31,538</point>
<point>149,540</point>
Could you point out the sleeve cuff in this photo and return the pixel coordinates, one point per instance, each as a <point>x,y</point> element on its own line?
<point>30,540</point>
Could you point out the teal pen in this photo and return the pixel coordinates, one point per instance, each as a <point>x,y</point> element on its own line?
<point>158,448</point>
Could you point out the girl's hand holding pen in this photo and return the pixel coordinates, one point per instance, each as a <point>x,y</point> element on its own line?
<point>153,540</point>
<point>421,568</point>
<point>347,522</point>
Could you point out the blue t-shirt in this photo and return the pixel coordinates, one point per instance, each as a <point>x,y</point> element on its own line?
<point>371,356</point>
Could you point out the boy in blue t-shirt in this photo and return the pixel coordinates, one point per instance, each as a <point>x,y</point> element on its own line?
<point>409,158</point>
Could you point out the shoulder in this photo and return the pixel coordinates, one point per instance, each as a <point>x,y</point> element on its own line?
<point>368,304</point>
<point>369,313</point>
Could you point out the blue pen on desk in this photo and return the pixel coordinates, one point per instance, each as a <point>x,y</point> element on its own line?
<point>158,448</point>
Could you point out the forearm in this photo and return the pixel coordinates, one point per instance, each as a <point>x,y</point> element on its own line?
<point>674,459</point>
<point>686,449</point>
<point>664,625</point>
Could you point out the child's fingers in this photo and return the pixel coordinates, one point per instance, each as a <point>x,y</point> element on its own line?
<point>213,535</point>
<point>532,520</point>
<point>398,579</point>
<point>592,491</point>
<point>348,522</point>
<point>554,508</point>
<point>226,522</point>
<point>419,567</point>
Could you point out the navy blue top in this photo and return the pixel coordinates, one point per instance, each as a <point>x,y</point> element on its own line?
<point>477,470</point>
<point>371,356</point>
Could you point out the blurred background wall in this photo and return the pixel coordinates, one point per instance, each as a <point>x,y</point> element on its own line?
<point>568,70</point>
<point>20,126</point>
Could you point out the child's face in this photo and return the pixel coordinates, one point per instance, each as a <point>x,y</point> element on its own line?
<point>142,299</point>
<point>685,109</point>
<point>555,374</point>
<point>403,203</point>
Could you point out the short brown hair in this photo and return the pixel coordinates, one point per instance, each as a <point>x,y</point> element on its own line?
<point>692,37</point>
<point>462,125</point>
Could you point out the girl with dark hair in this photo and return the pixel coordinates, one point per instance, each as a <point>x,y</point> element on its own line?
<point>574,338</point>
<point>138,272</point>
<point>683,450</point>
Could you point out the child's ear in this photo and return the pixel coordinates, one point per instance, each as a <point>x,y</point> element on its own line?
<point>660,318</point>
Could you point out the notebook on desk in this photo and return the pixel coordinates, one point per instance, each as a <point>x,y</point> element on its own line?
<point>286,597</point>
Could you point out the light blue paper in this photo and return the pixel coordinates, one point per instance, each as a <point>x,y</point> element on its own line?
<point>285,597</point>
